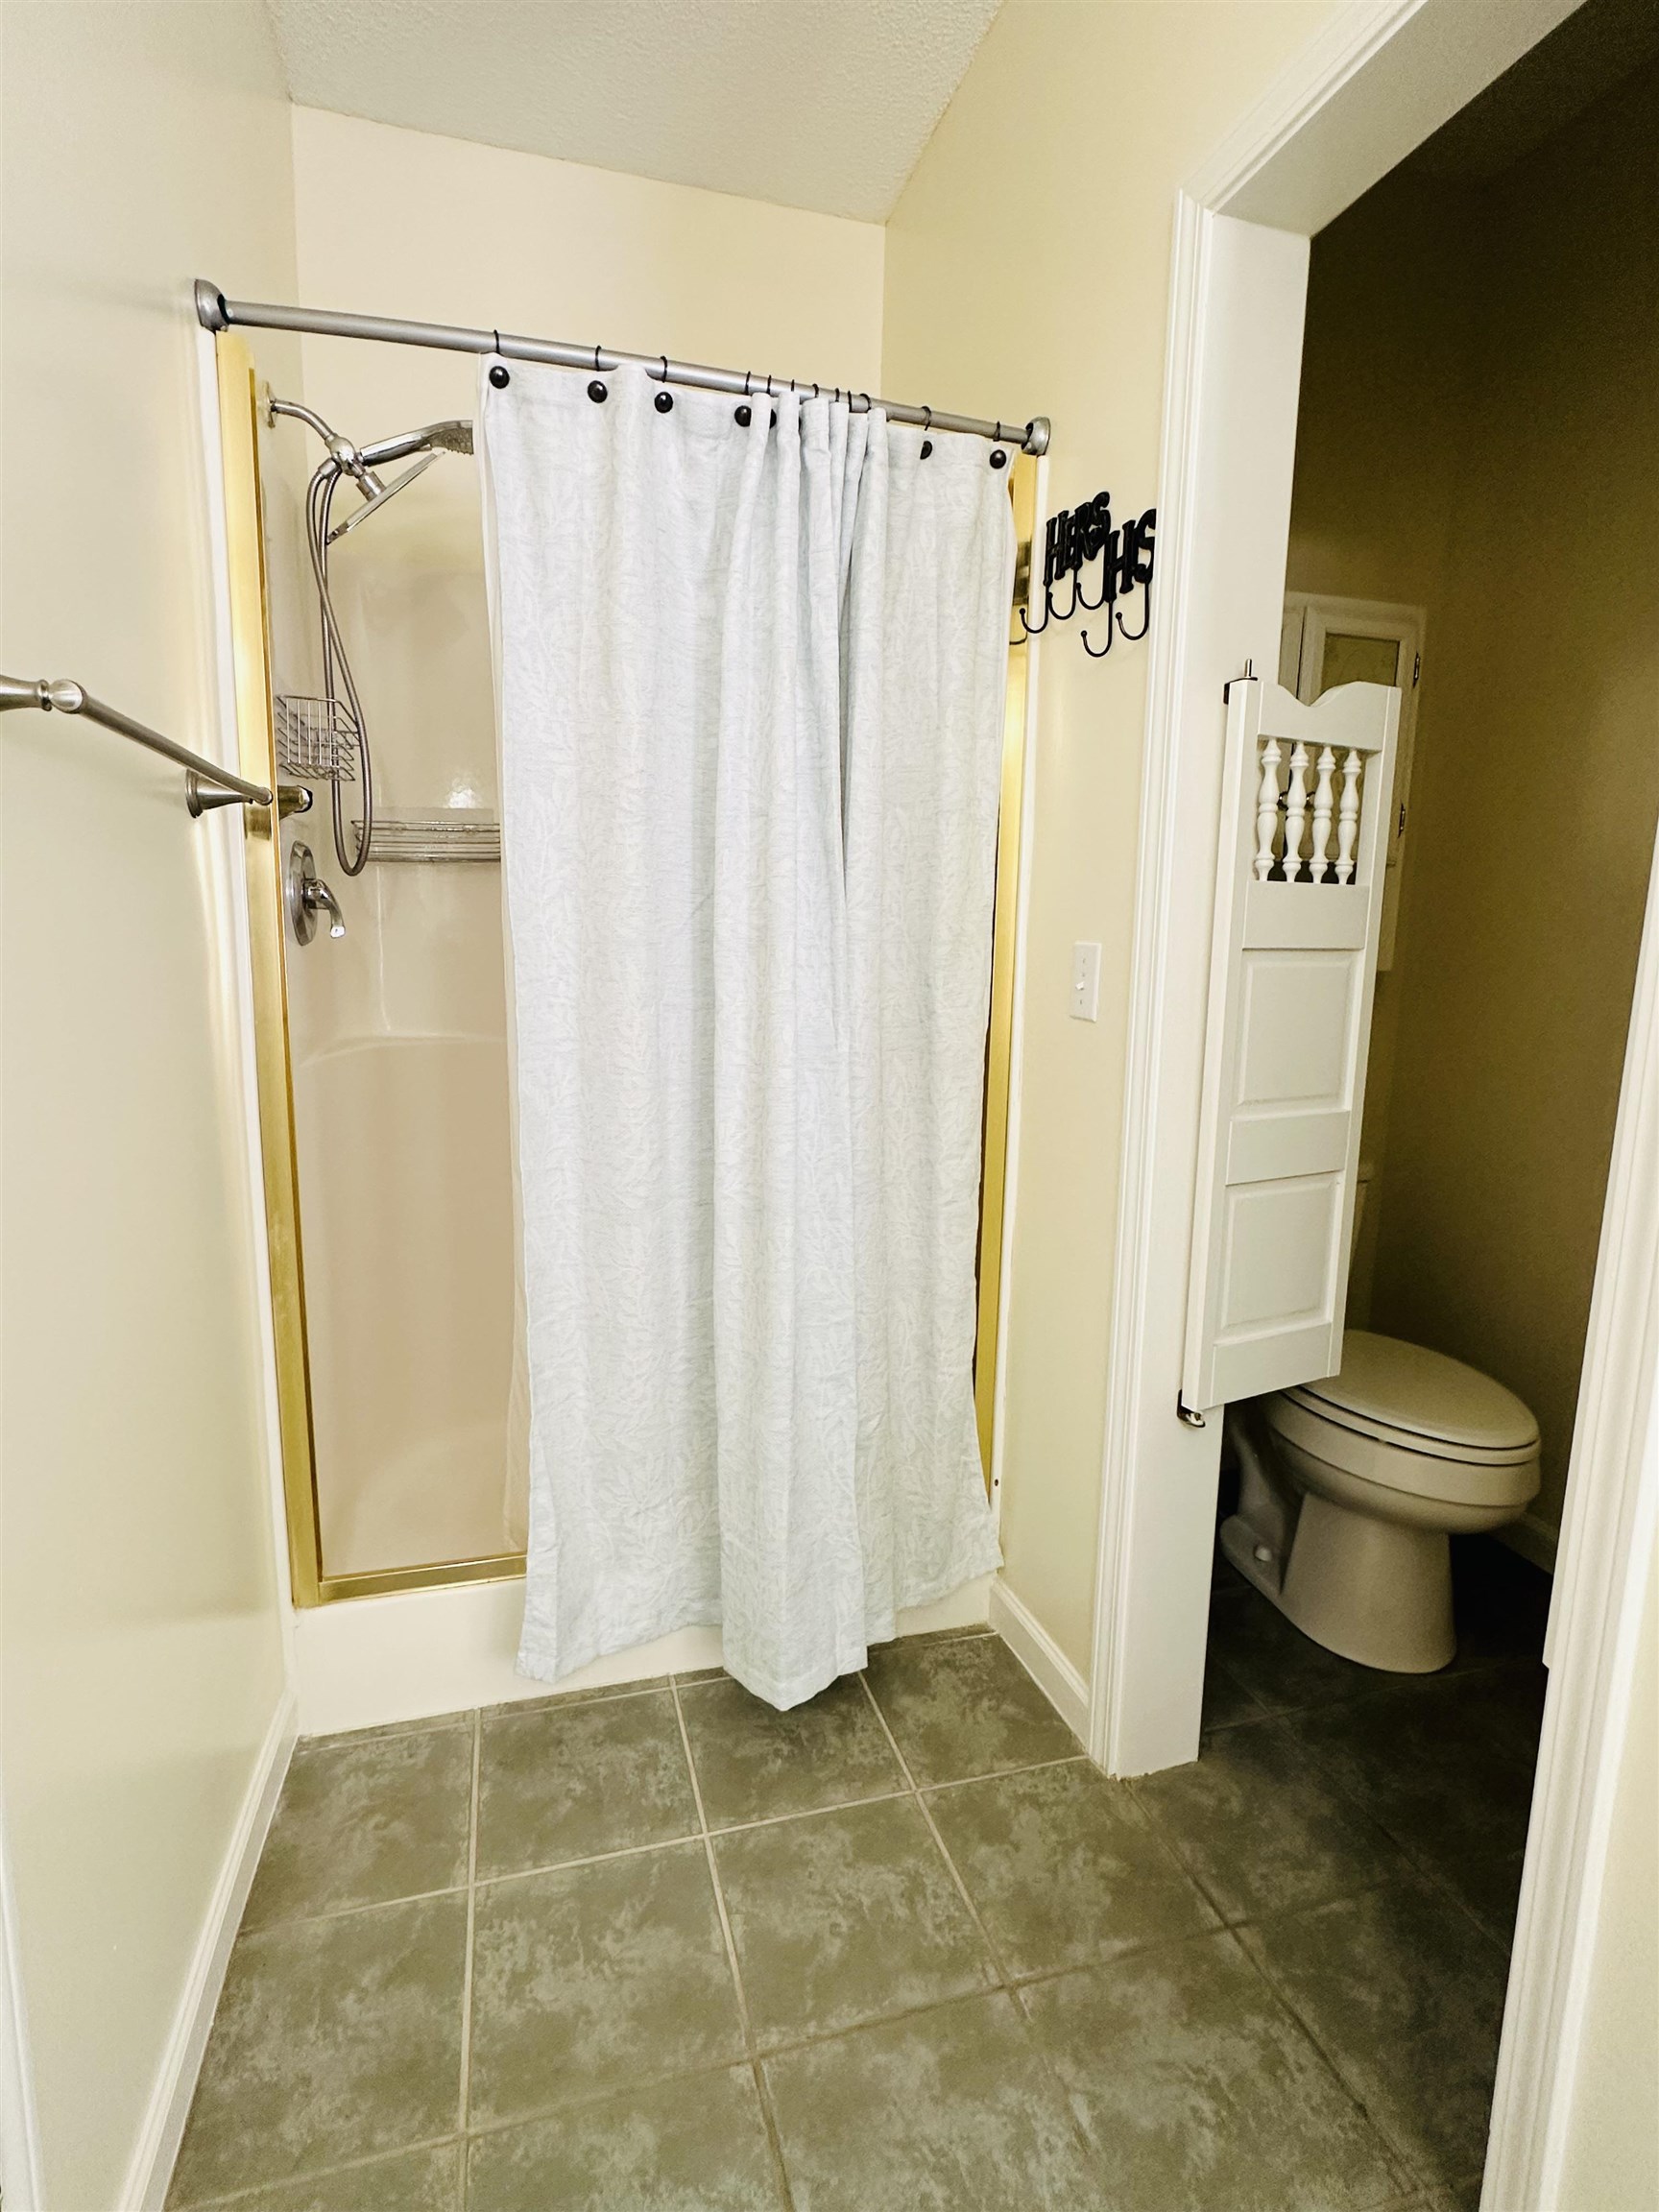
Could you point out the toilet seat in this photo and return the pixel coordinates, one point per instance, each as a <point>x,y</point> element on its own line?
<point>1420,1402</point>
<point>1392,1459</point>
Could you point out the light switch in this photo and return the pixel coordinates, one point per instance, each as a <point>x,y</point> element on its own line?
<point>1085,982</point>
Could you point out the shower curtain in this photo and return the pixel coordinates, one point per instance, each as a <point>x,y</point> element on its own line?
<point>749,687</point>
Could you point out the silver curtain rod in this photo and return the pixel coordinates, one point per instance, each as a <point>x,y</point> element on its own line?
<point>204,783</point>
<point>217,313</point>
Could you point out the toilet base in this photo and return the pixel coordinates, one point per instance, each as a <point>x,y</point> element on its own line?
<point>1371,1591</point>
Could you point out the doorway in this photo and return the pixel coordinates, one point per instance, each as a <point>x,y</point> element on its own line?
<point>1231,427</point>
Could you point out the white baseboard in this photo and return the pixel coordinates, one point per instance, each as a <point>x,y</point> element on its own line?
<point>1060,1682</point>
<point>151,2168</point>
<point>364,1662</point>
<point>1533,1538</point>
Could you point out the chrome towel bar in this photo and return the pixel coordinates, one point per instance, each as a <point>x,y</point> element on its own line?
<point>205,785</point>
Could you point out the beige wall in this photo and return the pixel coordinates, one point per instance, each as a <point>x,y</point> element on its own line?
<point>1028,271</point>
<point>1612,2151</point>
<point>141,1647</point>
<point>1481,434</point>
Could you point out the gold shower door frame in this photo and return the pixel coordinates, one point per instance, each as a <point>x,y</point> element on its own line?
<point>250,656</point>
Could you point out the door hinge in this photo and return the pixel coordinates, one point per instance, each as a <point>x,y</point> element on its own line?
<point>1188,1415</point>
<point>1416,668</point>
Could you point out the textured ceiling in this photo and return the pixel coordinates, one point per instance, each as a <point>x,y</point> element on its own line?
<point>821,104</point>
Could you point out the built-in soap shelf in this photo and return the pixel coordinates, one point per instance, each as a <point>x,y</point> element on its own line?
<point>455,833</point>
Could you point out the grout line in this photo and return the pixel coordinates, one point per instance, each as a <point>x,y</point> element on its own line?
<point>998,1774</point>
<point>1332,2064</point>
<point>1005,1980</point>
<point>466,2091</point>
<point>258,2189</point>
<point>749,2052</point>
<point>991,1949</point>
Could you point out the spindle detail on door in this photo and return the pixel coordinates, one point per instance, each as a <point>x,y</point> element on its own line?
<point>1292,966</point>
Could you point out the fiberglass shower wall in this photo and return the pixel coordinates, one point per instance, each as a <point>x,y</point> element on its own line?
<point>398,1030</point>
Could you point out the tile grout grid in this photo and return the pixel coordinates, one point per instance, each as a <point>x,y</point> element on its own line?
<point>1424,2176</point>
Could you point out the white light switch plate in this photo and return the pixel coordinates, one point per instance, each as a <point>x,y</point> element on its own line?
<point>1085,982</point>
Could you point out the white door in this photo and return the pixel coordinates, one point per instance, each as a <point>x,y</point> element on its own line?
<point>1328,641</point>
<point>1293,963</point>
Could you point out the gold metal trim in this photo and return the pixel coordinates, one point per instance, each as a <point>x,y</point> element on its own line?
<point>382,1582</point>
<point>251,657</point>
<point>1000,1039</point>
<point>251,660</point>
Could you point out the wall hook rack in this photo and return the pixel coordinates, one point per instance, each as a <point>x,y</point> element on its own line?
<point>1126,553</point>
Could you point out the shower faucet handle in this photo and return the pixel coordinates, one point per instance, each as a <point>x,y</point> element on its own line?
<point>308,895</point>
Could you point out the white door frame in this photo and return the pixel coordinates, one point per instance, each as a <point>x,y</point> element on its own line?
<point>1359,98</point>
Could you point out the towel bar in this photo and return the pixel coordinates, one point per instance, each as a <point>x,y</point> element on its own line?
<point>205,785</point>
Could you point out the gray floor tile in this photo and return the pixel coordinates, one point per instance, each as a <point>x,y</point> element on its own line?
<point>1272,1661</point>
<point>1405,1996</point>
<point>845,1916</point>
<point>1262,1828</point>
<point>411,2182</point>
<point>695,2145</point>
<point>570,1780</point>
<point>964,1705</point>
<point>1226,1700</point>
<point>1438,1762</point>
<point>947,2110</point>
<point>753,1763</point>
<point>333,2040</point>
<point>366,1819</point>
<point>1063,1867</point>
<point>591,1978</point>
<point>1489,1884</point>
<point>1200,2090</point>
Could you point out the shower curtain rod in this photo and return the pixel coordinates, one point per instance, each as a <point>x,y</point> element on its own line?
<point>215,312</point>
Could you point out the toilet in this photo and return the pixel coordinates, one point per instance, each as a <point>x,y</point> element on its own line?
<point>1350,1487</point>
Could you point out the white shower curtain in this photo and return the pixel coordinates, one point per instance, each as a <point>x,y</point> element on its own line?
<point>749,1023</point>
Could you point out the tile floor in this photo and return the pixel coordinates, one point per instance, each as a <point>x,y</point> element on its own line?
<point>902,1950</point>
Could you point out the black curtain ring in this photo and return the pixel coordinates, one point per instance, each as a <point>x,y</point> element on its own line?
<point>746,374</point>
<point>769,389</point>
<point>665,360</point>
<point>596,360</point>
<point>497,335</point>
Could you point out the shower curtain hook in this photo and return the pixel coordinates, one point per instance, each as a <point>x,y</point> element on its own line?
<point>596,360</point>
<point>663,358</point>
<point>747,374</point>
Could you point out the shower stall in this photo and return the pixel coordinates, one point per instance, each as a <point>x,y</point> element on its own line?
<point>365,695</point>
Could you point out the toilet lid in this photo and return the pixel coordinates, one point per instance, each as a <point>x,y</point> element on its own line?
<point>1422,1393</point>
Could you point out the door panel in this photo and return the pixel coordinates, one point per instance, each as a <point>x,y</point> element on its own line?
<point>1298,905</point>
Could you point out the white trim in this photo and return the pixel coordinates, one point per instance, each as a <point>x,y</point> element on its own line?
<point>1155,876</point>
<point>1016,1031</point>
<point>1060,1682</point>
<point>1606,1564</point>
<point>20,2173</point>
<point>1331,59</point>
<point>151,2168</point>
<point>364,1662</point>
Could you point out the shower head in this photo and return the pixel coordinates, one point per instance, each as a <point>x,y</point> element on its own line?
<point>361,463</point>
<point>376,493</point>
